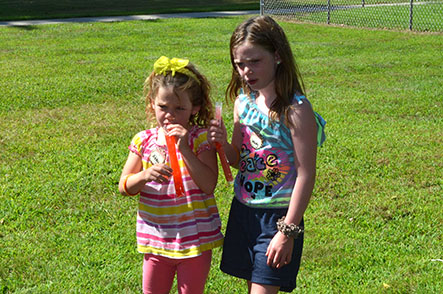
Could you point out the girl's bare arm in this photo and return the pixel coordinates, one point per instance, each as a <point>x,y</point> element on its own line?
<point>304,137</point>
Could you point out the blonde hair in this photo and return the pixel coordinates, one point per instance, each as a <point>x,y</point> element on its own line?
<point>266,33</point>
<point>197,86</point>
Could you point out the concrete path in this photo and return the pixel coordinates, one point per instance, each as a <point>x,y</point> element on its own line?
<point>127,18</point>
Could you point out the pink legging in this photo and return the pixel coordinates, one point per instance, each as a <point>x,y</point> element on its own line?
<point>159,272</point>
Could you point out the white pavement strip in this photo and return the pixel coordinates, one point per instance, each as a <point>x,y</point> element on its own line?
<point>127,18</point>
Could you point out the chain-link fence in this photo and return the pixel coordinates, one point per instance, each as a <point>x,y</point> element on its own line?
<point>421,15</point>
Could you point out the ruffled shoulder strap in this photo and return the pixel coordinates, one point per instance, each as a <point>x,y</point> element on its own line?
<point>321,123</point>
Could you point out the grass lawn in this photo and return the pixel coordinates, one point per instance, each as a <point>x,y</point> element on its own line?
<point>25,9</point>
<point>391,14</point>
<point>70,103</point>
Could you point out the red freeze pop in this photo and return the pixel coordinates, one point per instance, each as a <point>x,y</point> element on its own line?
<point>178,181</point>
<point>220,151</point>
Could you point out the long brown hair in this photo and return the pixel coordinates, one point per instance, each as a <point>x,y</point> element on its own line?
<point>265,32</point>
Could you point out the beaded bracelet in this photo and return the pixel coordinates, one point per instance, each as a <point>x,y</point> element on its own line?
<point>126,188</point>
<point>291,230</point>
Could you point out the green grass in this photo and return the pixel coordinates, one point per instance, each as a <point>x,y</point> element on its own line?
<point>345,2</point>
<point>70,102</point>
<point>425,17</point>
<point>25,9</point>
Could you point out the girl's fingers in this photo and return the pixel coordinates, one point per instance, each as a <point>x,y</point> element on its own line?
<point>160,173</point>
<point>271,256</point>
<point>166,171</point>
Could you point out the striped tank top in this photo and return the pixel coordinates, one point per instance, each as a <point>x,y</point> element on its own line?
<point>170,226</point>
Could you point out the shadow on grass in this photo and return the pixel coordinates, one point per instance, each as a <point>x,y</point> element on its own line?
<point>25,27</point>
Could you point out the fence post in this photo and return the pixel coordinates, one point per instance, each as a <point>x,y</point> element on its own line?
<point>329,11</point>
<point>362,3</point>
<point>262,7</point>
<point>410,15</point>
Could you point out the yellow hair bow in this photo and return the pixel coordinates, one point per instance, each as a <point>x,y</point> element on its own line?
<point>163,65</point>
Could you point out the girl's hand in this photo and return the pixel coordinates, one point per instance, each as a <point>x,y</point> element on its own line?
<point>181,133</point>
<point>159,173</point>
<point>217,132</point>
<point>279,251</point>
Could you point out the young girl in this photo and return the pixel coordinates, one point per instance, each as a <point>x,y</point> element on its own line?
<point>274,146</point>
<point>175,234</point>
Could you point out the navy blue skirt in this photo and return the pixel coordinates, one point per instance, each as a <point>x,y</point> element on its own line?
<point>248,234</point>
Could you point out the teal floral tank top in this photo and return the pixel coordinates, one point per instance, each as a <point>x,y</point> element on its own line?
<point>267,174</point>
